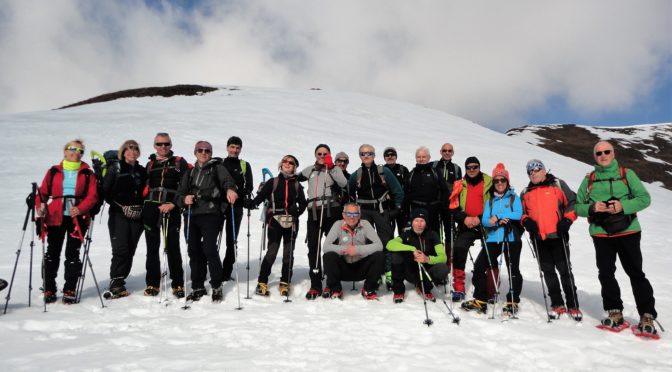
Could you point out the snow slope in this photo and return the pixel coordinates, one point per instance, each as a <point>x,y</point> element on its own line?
<point>138,333</point>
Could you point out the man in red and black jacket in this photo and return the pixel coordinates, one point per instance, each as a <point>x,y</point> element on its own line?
<point>164,172</point>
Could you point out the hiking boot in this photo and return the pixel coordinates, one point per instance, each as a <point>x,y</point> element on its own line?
<point>457,296</point>
<point>50,297</point>
<point>398,298</point>
<point>337,294</point>
<point>196,294</point>
<point>262,289</point>
<point>178,291</point>
<point>313,294</point>
<point>69,297</point>
<point>326,293</point>
<point>369,295</point>
<point>116,292</point>
<point>151,291</point>
<point>576,314</point>
<point>474,304</point>
<point>428,295</point>
<point>615,319</point>
<point>284,289</point>
<point>217,295</point>
<point>645,326</point>
<point>510,308</point>
<point>557,311</point>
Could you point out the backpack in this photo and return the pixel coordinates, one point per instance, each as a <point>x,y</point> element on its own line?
<point>101,164</point>
<point>381,174</point>
<point>458,173</point>
<point>276,180</point>
<point>622,171</point>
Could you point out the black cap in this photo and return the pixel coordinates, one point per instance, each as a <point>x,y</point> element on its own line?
<point>322,145</point>
<point>471,160</point>
<point>419,213</point>
<point>233,140</point>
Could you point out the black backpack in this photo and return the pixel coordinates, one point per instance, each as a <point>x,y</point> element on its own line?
<point>109,161</point>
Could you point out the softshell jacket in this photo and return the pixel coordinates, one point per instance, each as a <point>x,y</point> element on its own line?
<point>364,237</point>
<point>209,184</point>
<point>505,206</point>
<point>242,177</point>
<point>123,185</point>
<point>320,184</point>
<point>163,177</point>
<point>608,184</point>
<point>424,186</point>
<point>52,188</point>
<point>372,186</point>
<point>458,197</point>
<point>547,203</point>
<point>428,242</point>
<point>288,196</point>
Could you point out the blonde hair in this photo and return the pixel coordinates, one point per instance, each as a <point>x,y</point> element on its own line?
<point>286,157</point>
<point>124,147</point>
<point>75,141</point>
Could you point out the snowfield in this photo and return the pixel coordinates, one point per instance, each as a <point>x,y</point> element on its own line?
<point>139,333</point>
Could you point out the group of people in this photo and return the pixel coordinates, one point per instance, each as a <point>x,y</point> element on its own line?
<point>437,211</point>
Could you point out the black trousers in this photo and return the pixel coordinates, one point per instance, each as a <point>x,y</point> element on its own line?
<point>404,267</point>
<point>464,240</point>
<point>202,249</point>
<point>482,275</point>
<point>124,237</point>
<point>152,220</point>
<point>276,233</point>
<point>73,264</point>
<point>369,269</point>
<point>313,232</point>
<point>381,222</point>
<point>551,255</point>
<point>448,227</point>
<point>230,255</point>
<point>627,248</point>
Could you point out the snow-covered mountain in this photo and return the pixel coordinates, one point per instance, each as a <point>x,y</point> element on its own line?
<point>138,333</point>
<point>647,148</point>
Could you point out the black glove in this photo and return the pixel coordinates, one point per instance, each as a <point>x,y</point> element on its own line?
<point>563,226</point>
<point>293,210</point>
<point>249,204</point>
<point>531,226</point>
<point>393,213</point>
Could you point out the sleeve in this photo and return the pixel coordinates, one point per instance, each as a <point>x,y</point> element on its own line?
<point>301,200</point>
<point>91,197</point>
<point>264,193</point>
<point>640,197</point>
<point>43,190</point>
<point>338,176</point>
<point>394,187</point>
<point>487,214</point>
<point>375,244</point>
<point>517,213</point>
<point>108,183</point>
<point>397,245</point>
<point>331,241</point>
<point>226,182</point>
<point>302,177</point>
<point>352,186</point>
<point>440,257</point>
<point>249,180</point>
<point>583,204</point>
<point>182,190</point>
<point>570,196</point>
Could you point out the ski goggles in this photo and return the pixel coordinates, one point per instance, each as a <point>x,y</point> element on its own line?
<point>534,167</point>
<point>75,149</point>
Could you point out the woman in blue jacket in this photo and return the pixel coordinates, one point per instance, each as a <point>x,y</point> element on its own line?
<point>501,220</point>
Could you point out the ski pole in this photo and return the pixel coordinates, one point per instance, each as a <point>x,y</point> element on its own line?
<point>318,264</point>
<point>235,254</point>
<point>565,246</point>
<point>185,259</point>
<point>427,321</point>
<point>291,262</point>
<point>87,259</point>
<point>492,273</point>
<point>44,269</point>
<point>541,274</point>
<point>507,230</point>
<point>163,284</point>
<point>248,255</point>
<point>456,319</point>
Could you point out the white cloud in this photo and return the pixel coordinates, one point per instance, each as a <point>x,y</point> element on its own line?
<point>486,61</point>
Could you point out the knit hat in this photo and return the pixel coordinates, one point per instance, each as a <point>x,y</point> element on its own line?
<point>233,140</point>
<point>342,155</point>
<point>322,145</point>
<point>472,160</point>
<point>389,150</point>
<point>202,145</point>
<point>419,213</point>
<point>500,171</point>
<point>534,164</point>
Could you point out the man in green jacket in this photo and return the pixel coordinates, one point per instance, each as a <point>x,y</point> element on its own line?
<point>610,197</point>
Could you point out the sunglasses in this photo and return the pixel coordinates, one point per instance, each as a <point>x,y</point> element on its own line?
<point>342,161</point>
<point>367,153</point>
<point>449,150</point>
<point>605,152</point>
<point>351,214</point>
<point>390,154</point>
<point>499,180</point>
<point>163,144</point>
<point>533,170</point>
<point>472,167</point>
<point>285,161</point>
<point>75,149</point>
<point>133,148</point>
<point>204,151</point>
<point>322,153</point>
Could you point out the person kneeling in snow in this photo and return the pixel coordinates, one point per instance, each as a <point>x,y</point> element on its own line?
<point>352,251</point>
<point>414,247</point>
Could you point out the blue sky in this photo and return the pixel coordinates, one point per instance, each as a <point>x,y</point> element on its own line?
<point>501,64</point>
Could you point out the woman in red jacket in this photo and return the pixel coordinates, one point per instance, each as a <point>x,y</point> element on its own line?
<point>67,193</point>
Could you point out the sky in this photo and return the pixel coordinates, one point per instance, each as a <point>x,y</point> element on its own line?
<point>500,64</point>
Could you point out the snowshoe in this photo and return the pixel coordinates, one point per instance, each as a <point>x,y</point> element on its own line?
<point>50,297</point>
<point>510,310</point>
<point>196,294</point>
<point>116,292</point>
<point>313,294</point>
<point>369,295</point>
<point>557,311</point>
<point>337,294</point>
<point>262,289</point>
<point>614,322</point>
<point>178,292</point>
<point>646,328</point>
<point>457,296</point>
<point>326,293</point>
<point>576,314</point>
<point>217,295</point>
<point>283,288</point>
<point>69,297</point>
<point>398,298</point>
<point>151,291</point>
<point>479,306</point>
<point>428,295</point>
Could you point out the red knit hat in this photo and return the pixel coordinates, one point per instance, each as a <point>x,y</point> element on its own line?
<point>500,170</point>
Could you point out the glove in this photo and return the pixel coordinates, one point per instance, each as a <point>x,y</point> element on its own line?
<point>329,162</point>
<point>249,203</point>
<point>563,226</point>
<point>293,210</point>
<point>393,213</point>
<point>531,226</point>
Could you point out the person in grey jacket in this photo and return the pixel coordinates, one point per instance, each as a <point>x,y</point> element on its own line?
<point>352,251</point>
<point>323,209</point>
<point>205,191</point>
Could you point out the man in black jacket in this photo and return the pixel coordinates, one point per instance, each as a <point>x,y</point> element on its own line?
<point>426,189</point>
<point>401,172</point>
